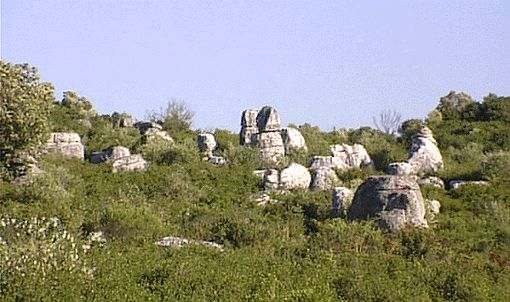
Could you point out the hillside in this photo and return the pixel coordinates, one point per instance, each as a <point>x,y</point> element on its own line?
<point>78,225</point>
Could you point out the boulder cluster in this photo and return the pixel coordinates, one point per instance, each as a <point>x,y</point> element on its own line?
<point>66,143</point>
<point>206,143</point>
<point>262,129</point>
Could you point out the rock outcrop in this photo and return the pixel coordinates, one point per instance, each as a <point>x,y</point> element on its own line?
<point>262,129</point>
<point>152,132</point>
<point>66,143</point>
<point>330,162</point>
<point>455,184</point>
<point>293,140</point>
<point>271,180</point>
<point>295,176</point>
<point>431,181</point>
<point>206,144</point>
<point>342,199</point>
<point>133,162</point>
<point>425,157</point>
<point>324,179</point>
<point>248,127</point>
<point>400,168</point>
<point>396,202</point>
<point>178,242</point>
<point>109,154</point>
<point>353,157</point>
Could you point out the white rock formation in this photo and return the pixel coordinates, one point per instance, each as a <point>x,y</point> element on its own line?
<point>271,179</point>
<point>295,176</point>
<point>425,157</point>
<point>66,143</point>
<point>293,140</point>
<point>109,154</point>
<point>178,242</point>
<point>206,144</point>
<point>330,162</point>
<point>324,179</point>
<point>400,168</point>
<point>353,157</point>
<point>455,184</point>
<point>342,199</point>
<point>133,162</point>
<point>432,181</point>
<point>248,126</point>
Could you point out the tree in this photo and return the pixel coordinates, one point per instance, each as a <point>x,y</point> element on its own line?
<point>25,105</point>
<point>175,118</point>
<point>388,121</point>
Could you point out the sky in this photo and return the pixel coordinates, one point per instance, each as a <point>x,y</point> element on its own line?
<point>328,63</point>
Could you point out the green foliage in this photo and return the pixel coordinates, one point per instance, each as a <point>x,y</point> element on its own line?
<point>24,110</point>
<point>176,117</point>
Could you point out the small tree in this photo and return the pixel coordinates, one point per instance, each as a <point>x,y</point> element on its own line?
<point>388,121</point>
<point>25,105</point>
<point>175,118</point>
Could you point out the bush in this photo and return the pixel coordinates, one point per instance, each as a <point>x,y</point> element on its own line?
<point>25,104</point>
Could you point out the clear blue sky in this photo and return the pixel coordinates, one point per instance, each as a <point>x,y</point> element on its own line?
<point>329,63</point>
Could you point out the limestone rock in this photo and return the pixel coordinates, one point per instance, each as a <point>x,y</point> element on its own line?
<point>458,101</point>
<point>342,199</point>
<point>293,140</point>
<point>455,184</point>
<point>400,168</point>
<point>324,179</point>
<point>248,127</point>
<point>143,127</point>
<point>217,160</point>
<point>395,200</point>
<point>178,242</point>
<point>206,144</point>
<point>433,207</point>
<point>432,181</point>
<point>154,135</point>
<point>133,162</point>
<point>271,146</point>
<point>112,153</point>
<point>330,162</point>
<point>353,157</point>
<point>66,143</point>
<point>271,179</point>
<point>425,157</point>
<point>268,119</point>
<point>295,176</point>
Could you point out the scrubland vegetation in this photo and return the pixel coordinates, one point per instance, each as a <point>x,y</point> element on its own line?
<point>291,251</point>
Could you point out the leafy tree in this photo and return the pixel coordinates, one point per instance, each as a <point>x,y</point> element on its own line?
<point>25,104</point>
<point>177,117</point>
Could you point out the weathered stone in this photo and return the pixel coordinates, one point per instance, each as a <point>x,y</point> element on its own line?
<point>66,143</point>
<point>330,162</point>
<point>457,101</point>
<point>295,176</point>
<point>179,242</point>
<point>154,134</point>
<point>425,157</point>
<point>293,140</point>
<point>217,160</point>
<point>133,162</point>
<point>432,181</point>
<point>433,206</point>
<point>248,127</point>
<point>395,200</point>
<point>112,153</point>
<point>342,199</point>
<point>268,119</point>
<point>271,179</point>
<point>400,168</point>
<point>271,146</point>
<point>353,157</point>
<point>126,121</point>
<point>206,144</point>
<point>324,179</point>
<point>455,184</point>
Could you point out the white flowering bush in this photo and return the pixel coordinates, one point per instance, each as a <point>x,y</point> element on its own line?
<point>40,250</point>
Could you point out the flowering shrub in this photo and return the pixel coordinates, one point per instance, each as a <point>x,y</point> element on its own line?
<point>39,249</point>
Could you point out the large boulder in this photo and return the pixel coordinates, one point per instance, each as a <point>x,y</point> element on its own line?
<point>395,200</point>
<point>295,176</point>
<point>268,119</point>
<point>133,162</point>
<point>353,157</point>
<point>425,157</point>
<point>455,184</point>
<point>331,162</point>
<point>431,181</point>
<point>400,168</point>
<point>293,140</point>
<point>206,144</point>
<point>110,154</point>
<point>66,143</point>
<point>271,179</point>
<point>155,135</point>
<point>271,146</point>
<point>324,179</point>
<point>248,126</point>
<point>456,101</point>
<point>342,199</point>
